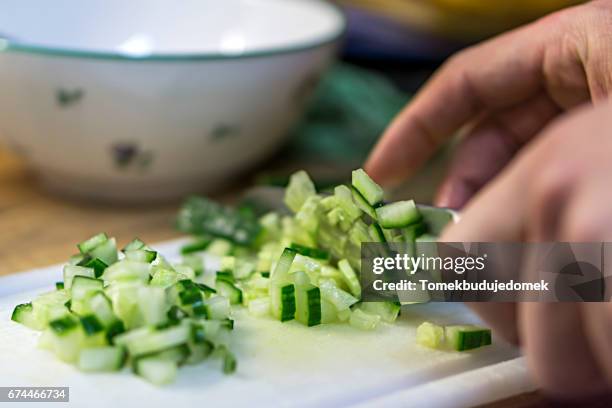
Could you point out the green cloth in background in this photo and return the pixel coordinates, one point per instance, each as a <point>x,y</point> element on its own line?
<point>349,111</point>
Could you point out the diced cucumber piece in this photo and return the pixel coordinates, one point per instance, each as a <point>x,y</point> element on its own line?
<point>158,340</point>
<point>75,259</point>
<point>70,271</point>
<point>124,296</point>
<point>141,255</point>
<point>219,247</point>
<point>64,325</point>
<point>218,308</point>
<point>362,203</point>
<point>225,275</point>
<point>244,269</point>
<point>299,189</point>
<point>328,312</point>
<point>430,335</point>
<point>371,191</point>
<point>24,314</point>
<point>282,301</point>
<point>59,285</point>
<point>134,245</point>
<point>350,277</point>
<point>310,252</point>
<point>309,215</point>
<point>363,321</point>
<point>177,354</point>
<point>308,304</point>
<point>281,271</point>
<point>101,307</point>
<point>65,338</point>
<point>186,271</point>
<point>206,290</point>
<point>82,289</point>
<point>127,270</point>
<point>340,299</point>
<point>228,263</point>
<point>196,246</point>
<point>229,361</point>
<point>156,370</point>
<point>398,215</point>
<point>388,311</point>
<point>467,337</point>
<point>229,290</point>
<point>102,359</point>
<point>91,325</point>
<point>346,204</point>
<point>88,245</point>
<point>164,278</point>
<point>94,263</point>
<point>49,306</point>
<point>376,233</point>
<point>106,252</point>
<point>133,336</point>
<point>152,305</point>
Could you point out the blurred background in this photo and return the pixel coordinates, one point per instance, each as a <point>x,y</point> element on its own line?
<point>389,49</point>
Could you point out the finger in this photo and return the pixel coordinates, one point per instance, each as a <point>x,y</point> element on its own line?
<point>588,218</point>
<point>598,324</point>
<point>491,209</point>
<point>490,146</point>
<point>557,351</point>
<point>487,77</point>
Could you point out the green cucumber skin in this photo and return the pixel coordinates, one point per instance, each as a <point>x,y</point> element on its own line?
<point>20,311</point>
<point>310,252</point>
<point>314,306</point>
<point>287,303</point>
<point>91,243</point>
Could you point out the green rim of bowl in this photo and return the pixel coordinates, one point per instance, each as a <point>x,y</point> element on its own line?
<point>7,45</point>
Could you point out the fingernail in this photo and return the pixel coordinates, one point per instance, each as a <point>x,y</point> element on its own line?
<point>452,195</point>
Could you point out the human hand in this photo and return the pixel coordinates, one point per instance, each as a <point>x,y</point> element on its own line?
<point>556,189</point>
<point>501,93</point>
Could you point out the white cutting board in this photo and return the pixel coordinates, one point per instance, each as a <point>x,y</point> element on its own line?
<point>279,364</point>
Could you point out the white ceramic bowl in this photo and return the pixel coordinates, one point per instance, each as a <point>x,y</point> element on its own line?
<point>150,99</point>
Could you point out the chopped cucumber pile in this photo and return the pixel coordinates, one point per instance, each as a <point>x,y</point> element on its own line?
<point>133,308</point>
<point>304,266</point>
<point>455,337</point>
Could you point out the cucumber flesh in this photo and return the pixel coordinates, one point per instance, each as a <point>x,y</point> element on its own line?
<point>308,305</point>
<point>371,191</point>
<point>281,271</point>
<point>362,203</point>
<point>229,290</point>
<point>88,245</point>
<point>70,271</point>
<point>363,321</point>
<point>398,215</point>
<point>350,277</point>
<point>24,314</point>
<point>102,359</point>
<point>388,311</point>
<point>430,335</point>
